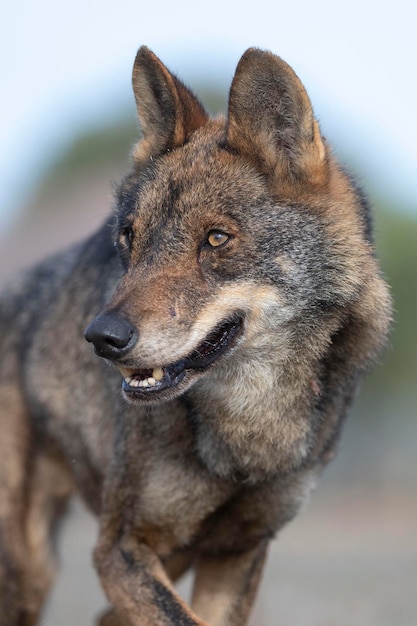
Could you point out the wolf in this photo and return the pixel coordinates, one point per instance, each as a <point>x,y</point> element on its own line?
<point>231,304</point>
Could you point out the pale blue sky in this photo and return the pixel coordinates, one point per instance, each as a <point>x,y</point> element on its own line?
<point>67,65</point>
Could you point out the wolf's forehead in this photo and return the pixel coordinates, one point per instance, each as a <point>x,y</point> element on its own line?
<point>181,183</point>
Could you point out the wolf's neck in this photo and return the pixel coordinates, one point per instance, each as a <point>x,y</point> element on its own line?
<point>252,416</point>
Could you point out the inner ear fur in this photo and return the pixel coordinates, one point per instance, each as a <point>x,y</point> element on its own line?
<point>167,110</point>
<point>270,118</point>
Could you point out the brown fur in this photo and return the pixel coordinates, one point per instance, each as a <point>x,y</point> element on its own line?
<point>251,352</point>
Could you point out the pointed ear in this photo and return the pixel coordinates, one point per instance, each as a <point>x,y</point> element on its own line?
<point>168,112</point>
<point>271,120</point>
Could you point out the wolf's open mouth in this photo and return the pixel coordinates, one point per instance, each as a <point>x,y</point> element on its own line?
<point>146,382</point>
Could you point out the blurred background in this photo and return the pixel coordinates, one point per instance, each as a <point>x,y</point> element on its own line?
<point>66,127</point>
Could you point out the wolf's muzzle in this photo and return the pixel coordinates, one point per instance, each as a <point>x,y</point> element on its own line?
<point>112,336</point>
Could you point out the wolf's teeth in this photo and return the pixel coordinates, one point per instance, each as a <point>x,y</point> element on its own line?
<point>145,382</point>
<point>157,373</point>
<point>125,372</point>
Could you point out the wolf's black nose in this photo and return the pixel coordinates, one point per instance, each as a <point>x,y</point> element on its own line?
<point>112,336</point>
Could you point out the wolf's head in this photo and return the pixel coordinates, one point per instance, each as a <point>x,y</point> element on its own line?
<point>240,236</point>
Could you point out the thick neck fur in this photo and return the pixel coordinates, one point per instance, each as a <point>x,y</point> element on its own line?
<point>254,412</point>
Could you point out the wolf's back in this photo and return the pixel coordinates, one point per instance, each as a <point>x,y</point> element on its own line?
<point>29,297</point>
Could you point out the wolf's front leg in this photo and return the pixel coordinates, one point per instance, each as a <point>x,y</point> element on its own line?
<point>137,585</point>
<point>226,585</point>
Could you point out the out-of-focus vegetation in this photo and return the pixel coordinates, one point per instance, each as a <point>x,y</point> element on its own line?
<point>396,238</point>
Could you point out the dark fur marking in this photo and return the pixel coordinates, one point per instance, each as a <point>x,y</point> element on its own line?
<point>168,605</point>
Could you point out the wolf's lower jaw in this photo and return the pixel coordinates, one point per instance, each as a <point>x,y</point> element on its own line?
<point>149,384</point>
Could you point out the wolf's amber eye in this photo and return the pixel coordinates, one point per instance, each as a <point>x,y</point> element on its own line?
<point>216,238</point>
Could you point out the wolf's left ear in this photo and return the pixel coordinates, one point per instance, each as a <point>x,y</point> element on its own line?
<point>271,120</point>
<point>168,112</point>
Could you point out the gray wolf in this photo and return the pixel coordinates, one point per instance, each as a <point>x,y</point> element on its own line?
<point>234,302</point>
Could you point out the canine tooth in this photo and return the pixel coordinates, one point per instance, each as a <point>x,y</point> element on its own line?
<point>151,382</point>
<point>125,372</point>
<point>158,373</point>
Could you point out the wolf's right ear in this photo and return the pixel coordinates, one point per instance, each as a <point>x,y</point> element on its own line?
<point>270,118</point>
<point>168,112</point>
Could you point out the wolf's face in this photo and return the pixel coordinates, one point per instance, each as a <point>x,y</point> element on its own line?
<point>195,251</point>
<point>231,232</point>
